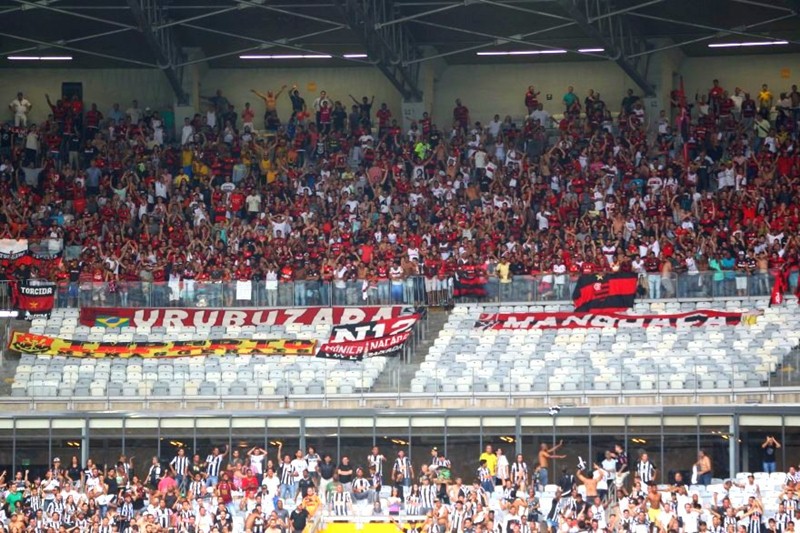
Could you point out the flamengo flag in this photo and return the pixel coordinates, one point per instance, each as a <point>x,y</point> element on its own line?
<point>353,342</point>
<point>615,290</point>
<point>778,289</point>
<point>34,299</point>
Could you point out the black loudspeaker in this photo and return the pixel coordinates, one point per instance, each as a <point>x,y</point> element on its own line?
<point>71,88</point>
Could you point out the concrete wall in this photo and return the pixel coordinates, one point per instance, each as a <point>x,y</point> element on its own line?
<point>485,89</point>
<point>103,87</point>
<point>747,72</point>
<point>500,89</point>
<point>339,83</point>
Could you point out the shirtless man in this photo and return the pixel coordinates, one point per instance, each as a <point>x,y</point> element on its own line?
<point>703,465</point>
<point>654,504</point>
<point>270,100</point>
<point>545,455</point>
<point>590,483</point>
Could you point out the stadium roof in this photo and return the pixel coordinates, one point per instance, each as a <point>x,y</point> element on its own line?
<point>393,34</point>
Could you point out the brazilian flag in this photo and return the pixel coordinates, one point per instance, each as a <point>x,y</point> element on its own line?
<point>109,321</point>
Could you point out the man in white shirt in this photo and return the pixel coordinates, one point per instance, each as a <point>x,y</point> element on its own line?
<point>253,202</point>
<point>299,465</point>
<point>134,112</point>
<point>186,132</point>
<point>494,126</point>
<point>271,482</point>
<point>20,106</point>
<point>542,116</point>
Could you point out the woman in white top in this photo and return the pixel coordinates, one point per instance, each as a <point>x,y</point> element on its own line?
<point>502,467</point>
<point>271,277</point>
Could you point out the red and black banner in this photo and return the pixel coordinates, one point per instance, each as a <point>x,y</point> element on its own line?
<point>606,319</point>
<point>610,291</point>
<point>353,342</point>
<point>34,299</point>
<point>470,280</point>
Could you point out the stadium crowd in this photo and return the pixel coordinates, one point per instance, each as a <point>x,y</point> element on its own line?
<point>252,491</point>
<point>703,201</point>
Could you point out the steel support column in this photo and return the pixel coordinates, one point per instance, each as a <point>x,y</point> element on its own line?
<point>612,32</point>
<point>150,17</point>
<point>389,45</point>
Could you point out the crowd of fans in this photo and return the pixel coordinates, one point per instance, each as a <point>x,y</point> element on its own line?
<point>703,201</point>
<point>256,492</point>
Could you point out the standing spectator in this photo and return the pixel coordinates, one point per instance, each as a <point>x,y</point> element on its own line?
<point>461,116</point>
<point>20,106</point>
<point>768,453</point>
<point>765,101</point>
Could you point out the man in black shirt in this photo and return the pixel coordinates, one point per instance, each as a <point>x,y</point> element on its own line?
<point>298,518</point>
<point>305,483</point>
<point>5,142</point>
<point>327,469</point>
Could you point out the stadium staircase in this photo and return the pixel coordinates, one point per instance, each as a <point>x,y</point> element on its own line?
<point>398,373</point>
<point>787,373</point>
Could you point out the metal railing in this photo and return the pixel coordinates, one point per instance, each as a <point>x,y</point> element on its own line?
<point>415,290</point>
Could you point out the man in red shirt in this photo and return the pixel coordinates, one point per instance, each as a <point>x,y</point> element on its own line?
<point>461,116</point>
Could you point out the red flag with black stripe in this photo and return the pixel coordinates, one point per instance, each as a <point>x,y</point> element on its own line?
<point>613,291</point>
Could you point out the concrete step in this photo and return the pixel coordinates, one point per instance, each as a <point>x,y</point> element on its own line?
<point>397,375</point>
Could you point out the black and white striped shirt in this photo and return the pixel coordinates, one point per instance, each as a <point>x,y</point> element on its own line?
<point>341,503</point>
<point>729,521</point>
<point>186,517</point>
<point>287,474</point>
<point>126,511</point>
<point>36,502</point>
<point>403,466</point>
<point>361,484</point>
<point>519,471</point>
<point>646,471</point>
<point>196,488</point>
<point>377,462</point>
<point>154,474</point>
<point>427,495</point>
<point>782,521</point>
<point>163,517</point>
<point>180,464</point>
<point>55,507</point>
<point>457,521</point>
<point>213,465</point>
<point>755,523</point>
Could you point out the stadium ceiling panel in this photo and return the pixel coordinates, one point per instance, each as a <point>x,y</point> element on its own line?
<point>394,35</point>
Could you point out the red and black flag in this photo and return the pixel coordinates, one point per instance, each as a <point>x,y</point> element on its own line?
<point>616,291</point>
<point>34,299</point>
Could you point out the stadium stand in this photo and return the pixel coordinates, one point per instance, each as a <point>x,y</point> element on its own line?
<point>338,209</point>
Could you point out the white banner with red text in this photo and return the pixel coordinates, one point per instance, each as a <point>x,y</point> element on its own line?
<point>698,318</point>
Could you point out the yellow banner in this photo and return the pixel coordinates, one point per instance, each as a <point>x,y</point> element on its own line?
<point>42,345</point>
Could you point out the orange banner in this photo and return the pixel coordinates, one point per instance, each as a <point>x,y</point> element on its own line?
<point>42,345</point>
